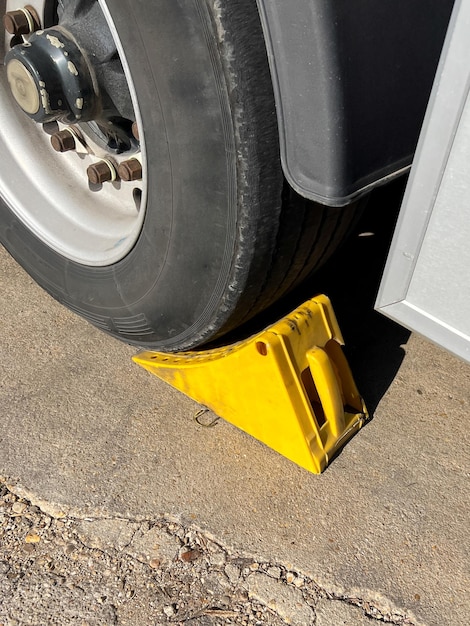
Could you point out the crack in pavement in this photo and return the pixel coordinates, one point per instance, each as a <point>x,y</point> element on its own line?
<point>188,576</point>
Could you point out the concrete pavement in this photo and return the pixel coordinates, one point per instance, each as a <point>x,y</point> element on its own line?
<point>87,432</point>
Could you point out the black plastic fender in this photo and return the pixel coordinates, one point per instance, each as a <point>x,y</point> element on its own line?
<point>352,80</point>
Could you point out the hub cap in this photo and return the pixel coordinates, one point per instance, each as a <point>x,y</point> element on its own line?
<point>50,78</point>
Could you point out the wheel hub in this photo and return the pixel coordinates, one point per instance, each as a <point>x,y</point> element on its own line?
<point>79,154</point>
<point>50,78</point>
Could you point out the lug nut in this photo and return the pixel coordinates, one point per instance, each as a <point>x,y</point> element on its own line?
<point>130,170</point>
<point>63,141</point>
<point>21,22</point>
<point>101,172</point>
<point>135,131</point>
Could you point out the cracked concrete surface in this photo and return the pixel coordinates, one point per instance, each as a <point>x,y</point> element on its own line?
<point>119,571</point>
<point>87,434</point>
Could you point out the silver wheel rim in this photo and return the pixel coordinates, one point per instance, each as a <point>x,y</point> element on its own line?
<point>94,225</point>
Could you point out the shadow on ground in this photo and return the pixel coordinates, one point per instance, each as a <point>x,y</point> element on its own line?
<point>351,280</point>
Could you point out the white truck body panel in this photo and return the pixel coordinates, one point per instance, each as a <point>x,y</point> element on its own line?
<point>426,283</point>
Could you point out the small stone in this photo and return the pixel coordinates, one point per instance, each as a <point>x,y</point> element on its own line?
<point>217,559</point>
<point>290,577</point>
<point>154,563</point>
<point>28,548</point>
<point>299,582</point>
<point>69,548</point>
<point>254,567</point>
<point>4,567</point>
<point>169,610</point>
<point>232,572</point>
<point>32,538</point>
<point>19,507</point>
<point>188,555</point>
<point>215,583</point>
<point>274,572</point>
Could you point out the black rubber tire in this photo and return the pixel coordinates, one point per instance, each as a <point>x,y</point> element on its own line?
<point>223,237</point>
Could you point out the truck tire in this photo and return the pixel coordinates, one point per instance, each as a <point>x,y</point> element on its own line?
<point>211,234</point>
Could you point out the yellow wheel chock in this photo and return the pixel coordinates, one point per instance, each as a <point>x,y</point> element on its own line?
<point>289,386</point>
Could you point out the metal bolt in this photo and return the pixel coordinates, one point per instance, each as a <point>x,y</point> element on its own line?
<point>63,141</point>
<point>130,170</point>
<point>101,172</point>
<point>135,131</point>
<point>21,22</point>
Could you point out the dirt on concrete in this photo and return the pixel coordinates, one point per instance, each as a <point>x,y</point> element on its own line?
<point>57,570</point>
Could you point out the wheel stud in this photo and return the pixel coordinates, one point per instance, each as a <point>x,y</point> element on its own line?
<point>63,141</point>
<point>130,170</point>
<point>21,22</point>
<point>101,172</point>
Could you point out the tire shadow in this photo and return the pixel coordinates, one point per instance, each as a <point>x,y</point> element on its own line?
<point>351,279</point>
